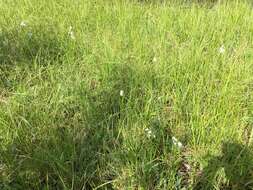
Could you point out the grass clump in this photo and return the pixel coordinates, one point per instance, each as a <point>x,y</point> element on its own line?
<point>125,95</point>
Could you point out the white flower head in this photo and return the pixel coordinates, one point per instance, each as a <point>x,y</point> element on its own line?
<point>174,140</point>
<point>71,33</point>
<point>180,145</point>
<point>23,24</point>
<point>222,49</point>
<point>154,60</point>
<point>149,133</point>
<point>121,93</point>
<point>159,98</point>
<point>177,142</point>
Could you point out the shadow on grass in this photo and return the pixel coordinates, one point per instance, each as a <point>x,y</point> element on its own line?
<point>67,152</point>
<point>237,162</point>
<point>29,43</point>
<point>71,148</point>
<point>30,46</point>
<point>78,144</point>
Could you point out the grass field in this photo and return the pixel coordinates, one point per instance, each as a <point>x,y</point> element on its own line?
<point>122,94</point>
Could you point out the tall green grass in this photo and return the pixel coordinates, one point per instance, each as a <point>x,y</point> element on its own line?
<point>93,92</point>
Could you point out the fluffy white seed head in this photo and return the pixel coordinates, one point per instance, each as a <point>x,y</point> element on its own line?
<point>23,24</point>
<point>71,33</point>
<point>177,142</point>
<point>154,60</point>
<point>149,133</point>
<point>222,49</point>
<point>121,93</point>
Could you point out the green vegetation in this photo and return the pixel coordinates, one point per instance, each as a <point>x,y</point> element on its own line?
<point>126,94</point>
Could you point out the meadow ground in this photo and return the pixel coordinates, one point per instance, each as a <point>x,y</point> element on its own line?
<point>126,95</point>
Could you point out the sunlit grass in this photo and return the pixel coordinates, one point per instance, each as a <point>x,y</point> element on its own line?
<point>125,94</point>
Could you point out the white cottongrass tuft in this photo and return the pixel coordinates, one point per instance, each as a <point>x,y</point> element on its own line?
<point>222,49</point>
<point>121,93</point>
<point>177,142</point>
<point>149,133</point>
<point>23,24</point>
<point>154,60</point>
<point>71,33</point>
<point>159,98</point>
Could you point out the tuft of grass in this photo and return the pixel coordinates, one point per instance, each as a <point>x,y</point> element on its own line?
<point>126,94</point>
